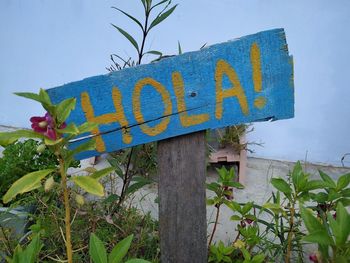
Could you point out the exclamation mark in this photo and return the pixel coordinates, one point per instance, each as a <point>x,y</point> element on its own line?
<point>260,101</point>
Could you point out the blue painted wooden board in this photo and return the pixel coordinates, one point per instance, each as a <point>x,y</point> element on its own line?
<point>241,81</point>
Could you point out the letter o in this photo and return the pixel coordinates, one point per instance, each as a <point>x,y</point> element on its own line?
<point>160,127</point>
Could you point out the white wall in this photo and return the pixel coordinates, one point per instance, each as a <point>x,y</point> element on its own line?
<point>48,43</point>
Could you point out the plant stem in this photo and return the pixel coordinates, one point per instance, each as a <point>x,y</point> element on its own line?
<point>215,225</point>
<point>290,232</point>
<point>126,180</point>
<point>144,36</point>
<point>67,210</point>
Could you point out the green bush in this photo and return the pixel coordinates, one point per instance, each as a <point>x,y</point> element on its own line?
<point>21,158</point>
<point>301,210</point>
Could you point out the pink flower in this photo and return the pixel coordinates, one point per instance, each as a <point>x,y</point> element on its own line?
<point>229,192</point>
<point>313,258</point>
<point>249,221</point>
<point>46,125</point>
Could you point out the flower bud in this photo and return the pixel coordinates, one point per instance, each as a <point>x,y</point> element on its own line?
<point>313,257</point>
<point>49,183</point>
<point>79,199</point>
<point>42,124</point>
<point>40,148</point>
<point>249,221</point>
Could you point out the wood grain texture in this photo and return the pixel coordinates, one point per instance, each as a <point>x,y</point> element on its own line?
<point>182,206</point>
<point>241,81</point>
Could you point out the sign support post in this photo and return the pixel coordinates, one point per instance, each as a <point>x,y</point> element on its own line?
<point>182,201</point>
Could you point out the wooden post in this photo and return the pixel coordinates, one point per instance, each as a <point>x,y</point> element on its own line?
<point>182,206</point>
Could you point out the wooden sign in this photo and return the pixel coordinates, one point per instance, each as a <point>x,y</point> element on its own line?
<point>241,81</point>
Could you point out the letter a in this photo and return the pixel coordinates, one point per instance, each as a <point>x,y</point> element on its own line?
<point>222,67</point>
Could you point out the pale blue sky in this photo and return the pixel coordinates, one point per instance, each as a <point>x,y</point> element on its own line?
<point>48,43</point>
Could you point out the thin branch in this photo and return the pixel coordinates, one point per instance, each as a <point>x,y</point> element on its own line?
<point>215,225</point>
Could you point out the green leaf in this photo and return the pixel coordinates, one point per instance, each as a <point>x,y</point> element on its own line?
<point>7,138</point>
<point>128,37</point>
<point>210,201</point>
<point>258,258</point>
<point>213,186</point>
<point>333,194</point>
<point>327,179</point>
<point>97,250</point>
<point>47,141</point>
<point>343,181</point>
<point>64,109</point>
<point>344,201</point>
<point>161,2</point>
<point>17,255</point>
<point>315,184</point>
<point>320,237</point>
<point>103,172</point>
<point>222,173</point>
<point>246,254</point>
<point>233,184</point>
<point>131,17</point>
<point>179,48</point>
<point>31,253</point>
<point>139,182</point>
<point>312,224</point>
<point>70,129</point>
<point>89,184</point>
<point>272,206</point>
<point>120,250</point>
<point>343,220</point>
<point>155,52</point>
<point>87,146</point>
<point>246,208</point>
<point>281,185</point>
<point>29,95</point>
<point>161,17</point>
<point>87,127</point>
<point>44,97</point>
<point>335,227</point>
<point>35,186</point>
<point>143,3</point>
<point>235,218</point>
<point>234,206</point>
<point>345,192</point>
<point>298,177</point>
<point>320,197</point>
<point>25,184</point>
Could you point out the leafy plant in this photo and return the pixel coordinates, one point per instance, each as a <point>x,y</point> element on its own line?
<point>223,190</point>
<point>232,137</point>
<point>55,135</point>
<point>331,235</point>
<point>146,26</point>
<point>23,157</point>
<point>98,251</point>
<point>139,160</point>
<point>91,217</point>
<point>276,230</point>
<point>296,190</point>
<point>220,253</point>
<point>29,254</point>
<point>138,171</point>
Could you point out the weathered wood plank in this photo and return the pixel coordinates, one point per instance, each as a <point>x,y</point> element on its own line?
<point>249,79</point>
<point>182,206</point>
